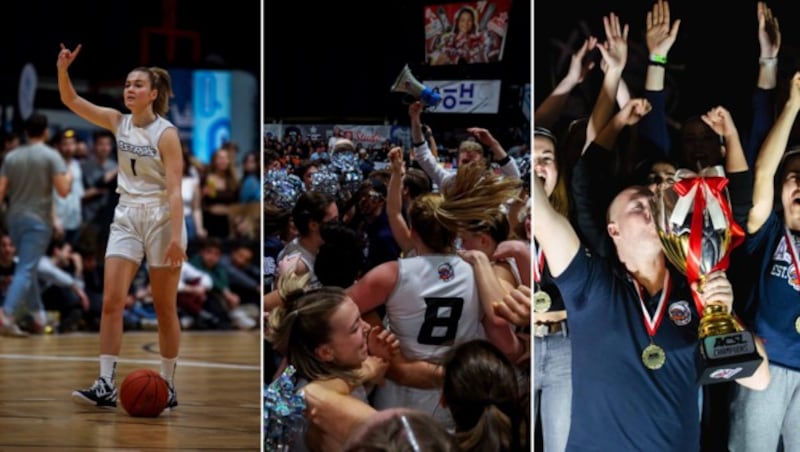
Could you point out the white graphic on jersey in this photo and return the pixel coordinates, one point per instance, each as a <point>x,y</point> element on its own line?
<point>141,151</point>
<point>784,271</point>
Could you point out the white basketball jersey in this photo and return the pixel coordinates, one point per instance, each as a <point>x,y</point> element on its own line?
<point>141,168</point>
<point>434,306</point>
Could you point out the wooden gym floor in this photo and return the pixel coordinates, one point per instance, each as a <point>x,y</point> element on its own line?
<point>218,381</point>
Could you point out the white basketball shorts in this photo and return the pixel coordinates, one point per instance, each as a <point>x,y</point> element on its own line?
<point>141,228</point>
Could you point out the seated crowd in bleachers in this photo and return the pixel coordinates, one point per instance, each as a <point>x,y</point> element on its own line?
<point>220,283</point>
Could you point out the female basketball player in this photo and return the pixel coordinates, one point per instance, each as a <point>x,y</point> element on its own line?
<point>323,336</point>
<point>431,300</point>
<point>148,221</point>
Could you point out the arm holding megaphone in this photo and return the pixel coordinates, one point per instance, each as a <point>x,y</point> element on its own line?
<point>422,152</point>
<point>426,130</point>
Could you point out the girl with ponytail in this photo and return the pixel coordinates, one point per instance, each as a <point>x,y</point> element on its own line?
<point>322,335</point>
<point>480,389</point>
<point>148,220</point>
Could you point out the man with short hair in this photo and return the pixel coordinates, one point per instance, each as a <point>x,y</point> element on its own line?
<point>633,330</point>
<point>29,176</point>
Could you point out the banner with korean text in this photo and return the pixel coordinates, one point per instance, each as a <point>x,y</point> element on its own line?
<point>466,96</point>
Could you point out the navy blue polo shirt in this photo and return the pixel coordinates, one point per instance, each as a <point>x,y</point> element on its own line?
<point>778,301</point>
<point>547,284</point>
<point>617,403</point>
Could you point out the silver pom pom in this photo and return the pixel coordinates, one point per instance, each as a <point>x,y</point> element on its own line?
<point>281,188</point>
<point>325,181</point>
<point>345,170</point>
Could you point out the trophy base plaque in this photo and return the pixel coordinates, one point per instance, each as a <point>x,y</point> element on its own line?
<point>726,357</point>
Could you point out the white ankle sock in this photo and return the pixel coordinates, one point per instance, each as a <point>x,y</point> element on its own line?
<point>168,366</point>
<point>108,367</point>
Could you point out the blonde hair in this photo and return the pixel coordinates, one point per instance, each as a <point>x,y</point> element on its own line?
<point>302,324</point>
<point>423,219</point>
<point>160,81</point>
<point>473,200</point>
<point>470,145</point>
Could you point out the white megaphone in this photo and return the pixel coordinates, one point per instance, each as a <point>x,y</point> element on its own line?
<point>407,83</point>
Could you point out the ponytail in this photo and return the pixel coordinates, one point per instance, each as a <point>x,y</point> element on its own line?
<point>163,83</point>
<point>492,432</point>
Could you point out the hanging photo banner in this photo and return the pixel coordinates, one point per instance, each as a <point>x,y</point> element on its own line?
<point>466,32</point>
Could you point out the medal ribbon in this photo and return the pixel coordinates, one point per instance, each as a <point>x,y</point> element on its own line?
<point>714,185</point>
<point>652,324</point>
<point>538,269</point>
<point>792,250</point>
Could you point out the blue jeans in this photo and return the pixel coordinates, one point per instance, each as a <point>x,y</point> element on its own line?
<point>31,237</point>
<point>759,419</point>
<point>191,230</point>
<point>552,389</point>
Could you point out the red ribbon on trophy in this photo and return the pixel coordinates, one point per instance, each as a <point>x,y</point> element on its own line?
<point>714,186</point>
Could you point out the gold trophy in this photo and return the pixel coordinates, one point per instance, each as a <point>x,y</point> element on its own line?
<point>697,231</point>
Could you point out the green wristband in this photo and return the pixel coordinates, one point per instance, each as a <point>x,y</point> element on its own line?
<point>659,59</point>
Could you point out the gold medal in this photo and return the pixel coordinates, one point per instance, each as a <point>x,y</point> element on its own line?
<point>797,324</point>
<point>653,357</point>
<point>541,301</point>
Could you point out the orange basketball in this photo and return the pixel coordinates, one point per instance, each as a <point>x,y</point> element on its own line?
<point>144,393</point>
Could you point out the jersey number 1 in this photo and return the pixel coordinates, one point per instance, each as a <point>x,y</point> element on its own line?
<point>441,320</point>
<point>133,166</point>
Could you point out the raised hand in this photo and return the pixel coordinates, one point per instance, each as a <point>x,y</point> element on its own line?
<point>634,110</point>
<point>720,121</point>
<point>483,136</point>
<point>579,66</point>
<point>66,56</point>
<point>415,110</point>
<point>660,36</point>
<point>398,166</point>
<point>615,49</point>
<point>382,343</point>
<point>769,33</point>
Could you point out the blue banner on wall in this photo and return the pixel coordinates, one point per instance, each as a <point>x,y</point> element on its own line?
<point>180,106</point>
<point>212,112</point>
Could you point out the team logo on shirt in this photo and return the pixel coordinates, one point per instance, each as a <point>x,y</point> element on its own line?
<point>445,272</point>
<point>680,313</point>
<point>794,281</point>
